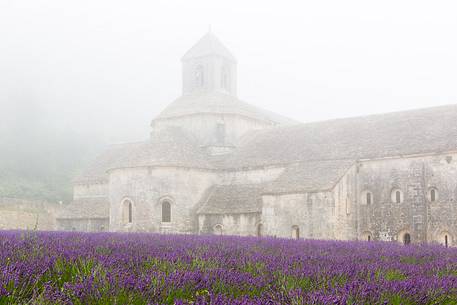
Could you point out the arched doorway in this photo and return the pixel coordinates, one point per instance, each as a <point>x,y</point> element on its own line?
<point>445,239</point>
<point>295,232</point>
<point>367,236</point>
<point>406,239</point>
<point>259,230</point>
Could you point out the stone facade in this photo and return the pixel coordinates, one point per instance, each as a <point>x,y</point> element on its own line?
<point>217,165</point>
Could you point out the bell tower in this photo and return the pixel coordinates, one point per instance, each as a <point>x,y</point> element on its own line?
<point>209,67</point>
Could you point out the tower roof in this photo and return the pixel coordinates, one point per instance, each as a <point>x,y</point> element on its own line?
<point>219,103</point>
<point>208,45</point>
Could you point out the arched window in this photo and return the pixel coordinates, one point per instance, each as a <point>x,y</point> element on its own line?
<point>348,205</point>
<point>225,79</point>
<point>406,239</point>
<point>199,76</point>
<point>366,198</point>
<point>259,230</point>
<point>446,240</point>
<point>397,196</point>
<point>432,194</point>
<point>166,211</point>
<point>218,229</point>
<point>127,211</point>
<point>295,232</point>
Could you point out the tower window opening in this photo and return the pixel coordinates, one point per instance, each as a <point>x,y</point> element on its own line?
<point>199,76</point>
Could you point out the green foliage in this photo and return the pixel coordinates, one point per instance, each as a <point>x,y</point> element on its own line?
<point>394,275</point>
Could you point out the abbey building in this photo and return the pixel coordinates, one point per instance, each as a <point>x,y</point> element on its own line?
<point>217,165</point>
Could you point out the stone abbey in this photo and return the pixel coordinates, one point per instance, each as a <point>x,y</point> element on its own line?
<point>217,165</point>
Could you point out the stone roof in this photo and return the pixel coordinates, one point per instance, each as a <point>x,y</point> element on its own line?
<point>376,136</point>
<point>96,171</point>
<point>309,177</point>
<point>232,199</point>
<point>171,147</point>
<point>94,207</point>
<point>315,154</point>
<point>208,45</point>
<point>219,103</point>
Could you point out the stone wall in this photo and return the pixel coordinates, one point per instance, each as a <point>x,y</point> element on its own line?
<point>345,197</point>
<point>147,188</point>
<point>311,213</point>
<point>27,214</point>
<point>83,224</point>
<point>416,214</point>
<point>229,224</point>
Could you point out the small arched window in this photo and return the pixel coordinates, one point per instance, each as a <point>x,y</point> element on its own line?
<point>295,232</point>
<point>127,211</point>
<point>166,211</point>
<point>366,198</point>
<point>446,240</point>
<point>397,196</point>
<point>199,76</point>
<point>432,194</point>
<point>218,229</point>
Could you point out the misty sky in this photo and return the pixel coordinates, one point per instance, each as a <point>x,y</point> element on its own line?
<point>111,66</point>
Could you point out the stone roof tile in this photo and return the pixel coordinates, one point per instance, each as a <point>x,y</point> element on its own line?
<point>219,103</point>
<point>232,199</point>
<point>369,137</point>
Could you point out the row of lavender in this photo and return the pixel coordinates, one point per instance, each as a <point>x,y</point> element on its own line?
<point>107,268</point>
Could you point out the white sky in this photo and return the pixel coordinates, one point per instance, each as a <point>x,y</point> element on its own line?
<point>111,66</point>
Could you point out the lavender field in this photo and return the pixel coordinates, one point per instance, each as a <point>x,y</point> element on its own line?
<point>108,268</point>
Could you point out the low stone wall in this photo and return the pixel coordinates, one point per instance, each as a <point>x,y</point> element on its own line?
<point>27,214</point>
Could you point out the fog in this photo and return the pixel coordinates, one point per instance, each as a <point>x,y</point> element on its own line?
<point>106,68</point>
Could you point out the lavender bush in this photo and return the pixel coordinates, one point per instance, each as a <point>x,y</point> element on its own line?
<point>108,268</point>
